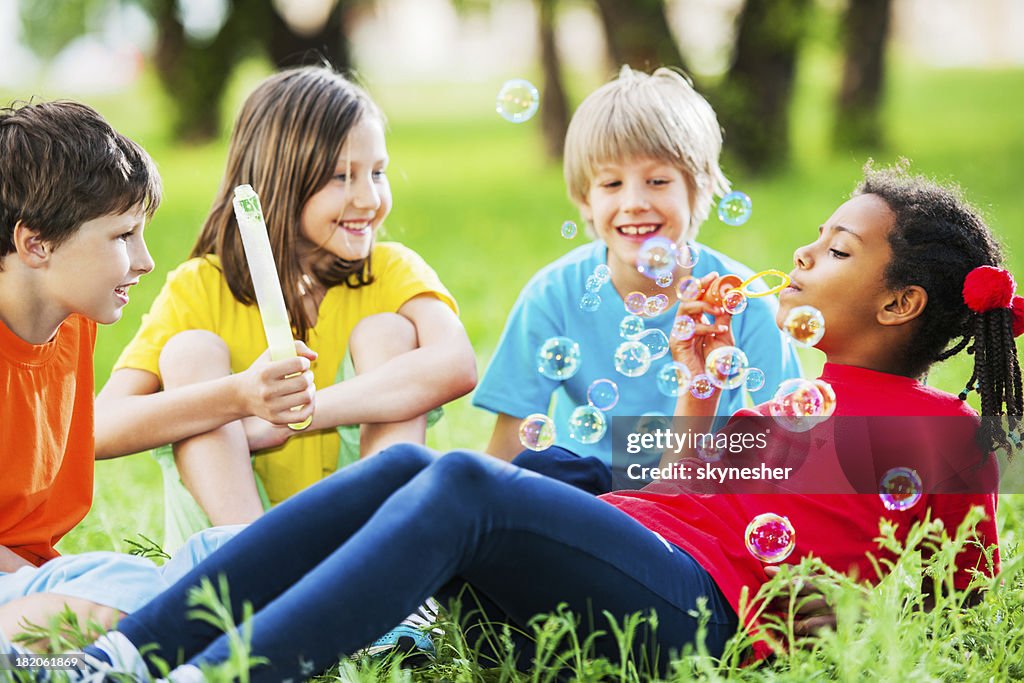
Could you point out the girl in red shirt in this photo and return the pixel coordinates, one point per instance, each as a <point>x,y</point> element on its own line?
<point>905,274</point>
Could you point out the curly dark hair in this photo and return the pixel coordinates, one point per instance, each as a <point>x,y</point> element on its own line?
<point>936,240</point>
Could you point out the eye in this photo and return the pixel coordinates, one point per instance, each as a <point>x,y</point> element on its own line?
<point>611,184</point>
<point>379,174</point>
<point>838,254</point>
<point>659,181</point>
<point>124,236</point>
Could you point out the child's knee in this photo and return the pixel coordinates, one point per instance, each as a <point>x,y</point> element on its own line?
<point>194,349</point>
<point>382,336</point>
<point>404,455</point>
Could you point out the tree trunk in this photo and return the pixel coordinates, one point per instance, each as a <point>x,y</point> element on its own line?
<point>638,34</point>
<point>194,76</point>
<point>753,101</point>
<point>554,107</point>
<point>330,41</point>
<point>865,33</point>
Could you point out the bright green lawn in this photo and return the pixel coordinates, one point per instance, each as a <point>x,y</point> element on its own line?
<point>476,197</point>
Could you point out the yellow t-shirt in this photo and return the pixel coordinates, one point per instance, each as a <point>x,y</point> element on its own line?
<point>196,296</point>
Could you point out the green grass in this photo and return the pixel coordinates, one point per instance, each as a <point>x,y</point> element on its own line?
<point>476,197</point>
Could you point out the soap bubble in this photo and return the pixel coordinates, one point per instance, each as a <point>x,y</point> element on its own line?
<point>688,288</point>
<point>594,283</point>
<point>710,450</point>
<point>805,325</point>
<point>603,272</point>
<point>587,424</point>
<point>635,302</point>
<point>673,379</point>
<point>701,386</point>
<point>754,379</point>
<point>829,396</point>
<point>726,367</point>
<point>664,280</point>
<point>734,209</point>
<point>537,432</point>
<point>603,394</point>
<point>900,488</point>
<point>568,230</point>
<point>558,358</point>
<point>656,257</point>
<point>655,341</point>
<point>632,358</point>
<point>650,423</point>
<point>770,537</point>
<point>518,100</point>
<point>797,405</point>
<point>734,302</point>
<point>687,254</point>
<point>653,305</point>
<point>683,328</point>
<point>631,326</point>
<point>590,302</point>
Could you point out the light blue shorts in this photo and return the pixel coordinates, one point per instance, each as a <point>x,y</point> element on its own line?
<point>125,582</point>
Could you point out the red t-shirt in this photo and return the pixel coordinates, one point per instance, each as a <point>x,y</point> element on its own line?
<point>47,445</point>
<point>838,528</point>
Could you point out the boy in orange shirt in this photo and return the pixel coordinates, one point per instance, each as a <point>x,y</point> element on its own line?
<point>74,199</point>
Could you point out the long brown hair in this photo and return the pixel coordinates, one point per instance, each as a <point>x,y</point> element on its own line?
<point>285,143</point>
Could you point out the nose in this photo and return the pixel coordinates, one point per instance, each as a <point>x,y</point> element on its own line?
<point>365,195</point>
<point>802,257</point>
<point>635,199</point>
<point>142,262</point>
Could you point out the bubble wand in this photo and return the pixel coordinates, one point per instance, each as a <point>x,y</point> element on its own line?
<point>256,243</point>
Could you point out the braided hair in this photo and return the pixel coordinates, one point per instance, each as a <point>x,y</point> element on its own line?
<point>936,240</point>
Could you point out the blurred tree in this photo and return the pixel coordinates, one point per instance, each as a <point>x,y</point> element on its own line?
<point>638,34</point>
<point>753,100</point>
<point>194,70</point>
<point>865,34</point>
<point>554,105</point>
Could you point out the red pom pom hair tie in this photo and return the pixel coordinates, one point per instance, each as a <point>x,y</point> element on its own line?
<point>987,288</point>
<point>1017,308</point>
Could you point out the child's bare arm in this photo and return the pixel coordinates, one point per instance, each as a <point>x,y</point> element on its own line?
<point>440,369</point>
<point>504,442</point>
<point>133,414</point>
<point>11,561</point>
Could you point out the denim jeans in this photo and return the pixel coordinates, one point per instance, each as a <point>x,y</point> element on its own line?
<point>332,568</point>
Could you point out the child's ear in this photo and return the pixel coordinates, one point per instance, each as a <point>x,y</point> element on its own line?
<point>32,250</point>
<point>905,305</point>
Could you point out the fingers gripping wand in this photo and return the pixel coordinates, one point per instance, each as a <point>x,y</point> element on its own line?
<point>269,298</point>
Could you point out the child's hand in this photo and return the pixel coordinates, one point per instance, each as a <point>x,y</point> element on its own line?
<point>693,351</point>
<point>272,389</point>
<point>262,434</point>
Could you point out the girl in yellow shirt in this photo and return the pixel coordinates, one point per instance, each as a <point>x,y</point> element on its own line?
<point>196,375</point>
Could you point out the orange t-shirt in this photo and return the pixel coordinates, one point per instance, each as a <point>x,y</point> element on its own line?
<point>46,437</point>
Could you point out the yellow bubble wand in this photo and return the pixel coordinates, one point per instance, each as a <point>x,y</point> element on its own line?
<point>784,281</point>
<point>258,255</point>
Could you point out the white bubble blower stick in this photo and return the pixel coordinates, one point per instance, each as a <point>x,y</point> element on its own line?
<point>269,298</point>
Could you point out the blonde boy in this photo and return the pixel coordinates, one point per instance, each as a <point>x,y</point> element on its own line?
<point>641,161</point>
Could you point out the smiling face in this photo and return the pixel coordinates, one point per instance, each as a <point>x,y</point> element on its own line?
<point>629,202</point>
<point>343,216</point>
<point>842,274</point>
<point>92,271</point>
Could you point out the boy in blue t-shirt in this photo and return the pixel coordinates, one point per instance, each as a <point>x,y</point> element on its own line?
<point>641,161</point>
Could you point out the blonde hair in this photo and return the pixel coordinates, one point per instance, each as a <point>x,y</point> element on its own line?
<point>286,143</point>
<point>656,115</point>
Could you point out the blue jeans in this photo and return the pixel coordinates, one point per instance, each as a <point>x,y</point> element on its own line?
<point>332,568</point>
<point>588,474</point>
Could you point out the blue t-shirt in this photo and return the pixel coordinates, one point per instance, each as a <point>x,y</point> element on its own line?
<point>548,307</point>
